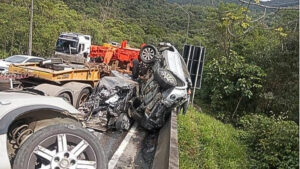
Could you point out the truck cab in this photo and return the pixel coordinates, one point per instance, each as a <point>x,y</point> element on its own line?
<point>73,47</point>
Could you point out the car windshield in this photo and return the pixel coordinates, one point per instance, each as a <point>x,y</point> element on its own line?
<point>15,59</point>
<point>63,45</point>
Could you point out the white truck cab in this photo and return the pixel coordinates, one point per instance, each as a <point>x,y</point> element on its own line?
<point>73,47</point>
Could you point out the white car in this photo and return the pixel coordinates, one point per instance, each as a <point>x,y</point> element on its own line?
<point>167,88</point>
<point>39,132</point>
<point>4,64</point>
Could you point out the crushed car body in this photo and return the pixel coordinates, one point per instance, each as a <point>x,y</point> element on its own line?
<point>107,106</point>
<point>159,83</point>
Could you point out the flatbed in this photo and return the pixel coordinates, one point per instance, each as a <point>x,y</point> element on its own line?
<point>85,74</point>
<point>73,82</point>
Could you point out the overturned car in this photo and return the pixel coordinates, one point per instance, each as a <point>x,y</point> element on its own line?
<point>159,83</point>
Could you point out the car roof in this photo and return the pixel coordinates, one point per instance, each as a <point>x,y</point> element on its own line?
<point>29,57</point>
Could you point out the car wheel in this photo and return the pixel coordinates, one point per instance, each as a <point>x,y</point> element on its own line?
<point>148,53</point>
<point>165,78</point>
<point>83,97</point>
<point>61,146</point>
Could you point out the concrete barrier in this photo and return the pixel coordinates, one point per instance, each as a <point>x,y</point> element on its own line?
<point>166,155</point>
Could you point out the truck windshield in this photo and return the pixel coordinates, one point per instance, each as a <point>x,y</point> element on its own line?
<point>63,45</point>
<point>15,59</point>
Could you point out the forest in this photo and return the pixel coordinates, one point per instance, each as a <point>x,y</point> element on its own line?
<point>251,73</point>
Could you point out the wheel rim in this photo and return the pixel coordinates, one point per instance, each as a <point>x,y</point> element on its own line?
<point>83,98</point>
<point>148,54</point>
<point>63,151</point>
<point>168,76</point>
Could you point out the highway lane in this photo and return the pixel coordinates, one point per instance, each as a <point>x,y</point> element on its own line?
<point>129,149</point>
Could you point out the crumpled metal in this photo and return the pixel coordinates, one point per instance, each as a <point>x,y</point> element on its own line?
<point>110,99</point>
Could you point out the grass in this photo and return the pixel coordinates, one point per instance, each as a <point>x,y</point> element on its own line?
<point>205,142</point>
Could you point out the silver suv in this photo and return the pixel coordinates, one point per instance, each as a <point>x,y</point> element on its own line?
<point>167,88</point>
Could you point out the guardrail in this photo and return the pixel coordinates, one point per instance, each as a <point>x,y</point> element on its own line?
<point>166,155</point>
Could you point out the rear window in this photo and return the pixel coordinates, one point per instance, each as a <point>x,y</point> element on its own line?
<point>34,60</point>
<point>15,59</point>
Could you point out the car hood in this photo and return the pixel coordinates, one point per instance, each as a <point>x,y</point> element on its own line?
<point>174,64</point>
<point>13,100</point>
<point>4,64</point>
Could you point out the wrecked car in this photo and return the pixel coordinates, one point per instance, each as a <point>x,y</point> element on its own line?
<point>107,106</point>
<point>159,83</point>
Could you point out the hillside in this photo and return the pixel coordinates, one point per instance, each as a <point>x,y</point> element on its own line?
<point>281,3</point>
<point>201,2</point>
<point>275,3</point>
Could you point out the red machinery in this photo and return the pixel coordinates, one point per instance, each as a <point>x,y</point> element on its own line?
<point>109,53</point>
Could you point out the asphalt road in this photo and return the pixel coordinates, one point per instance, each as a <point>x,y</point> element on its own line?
<point>129,149</point>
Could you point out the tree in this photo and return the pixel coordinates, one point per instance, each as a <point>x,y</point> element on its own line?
<point>232,85</point>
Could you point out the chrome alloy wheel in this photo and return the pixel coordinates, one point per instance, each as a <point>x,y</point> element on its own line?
<point>148,54</point>
<point>63,151</point>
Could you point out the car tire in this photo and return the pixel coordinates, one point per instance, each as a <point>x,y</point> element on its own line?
<point>135,69</point>
<point>83,96</point>
<point>165,78</point>
<point>61,146</point>
<point>148,54</point>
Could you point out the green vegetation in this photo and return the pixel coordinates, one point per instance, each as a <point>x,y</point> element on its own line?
<point>50,19</point>
<point>205,142</point>
<point>272,143</point>
<point>260,142</point>
<point>269,71</point>
<point>233,80</point>
<point>251,73</point>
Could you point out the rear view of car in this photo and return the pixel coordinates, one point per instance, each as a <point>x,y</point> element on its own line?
<point>16,59</point>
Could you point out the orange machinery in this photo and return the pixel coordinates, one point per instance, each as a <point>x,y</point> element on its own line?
<point>109,53</point>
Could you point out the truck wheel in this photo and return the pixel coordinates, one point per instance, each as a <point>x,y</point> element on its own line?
<point>61,146</point>
<point>148,53</point>
<point>165,78</point>
<point>66,97</point>
<point>83,97</point>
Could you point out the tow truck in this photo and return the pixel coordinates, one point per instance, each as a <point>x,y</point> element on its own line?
<point>77,48</point>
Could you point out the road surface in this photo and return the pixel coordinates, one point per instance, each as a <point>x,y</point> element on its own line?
<point>129,149</point>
